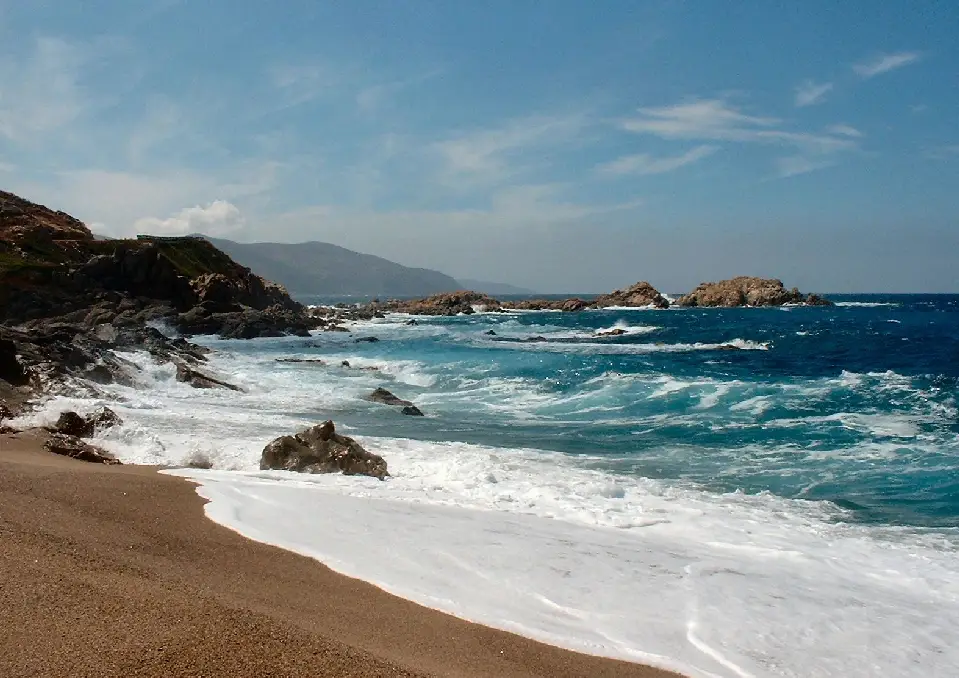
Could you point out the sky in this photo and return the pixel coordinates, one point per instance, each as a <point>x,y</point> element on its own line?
<point>563,146</point>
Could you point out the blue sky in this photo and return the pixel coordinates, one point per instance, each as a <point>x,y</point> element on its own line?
<point>563,146</point>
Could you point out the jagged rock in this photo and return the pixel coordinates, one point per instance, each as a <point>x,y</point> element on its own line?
<point>197,379</point>
<point>368,340</point>
<point>410,322</point>
<point>11,370</point>
<point>640,295</point>
<point>72,424</point>
<point>615,332</point>
<point>321,450</point>
<point>71,446</point>
<point>104,418</point>
<point>345,363</point>
<point>747,291</point>
<point>384,397</point>
<point>490,333</point>
<point>572,305</point>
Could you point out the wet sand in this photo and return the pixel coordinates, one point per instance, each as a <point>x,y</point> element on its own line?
<point>115,571</point>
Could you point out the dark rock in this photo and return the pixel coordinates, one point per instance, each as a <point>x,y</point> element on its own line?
<point>335,328</point>
<point>316,361</point>
<point>369,340</point>
<point>71,446</point>
<point>727,347</point>
<point>197,379</point>
<point>384,397</point>
<point>448,304</point>
<point>72,424</point>
<point>535,339</point>
<point>104,418</point>
<point>490,333</point>
<point>411,322</point>
<point>11,370</point>
<point>345,363</point>
<point>321,450</point>
<point>615,332</point>
<point>412,410</point>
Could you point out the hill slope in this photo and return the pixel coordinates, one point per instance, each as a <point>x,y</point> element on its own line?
<point>493,288</point>
<point>322,268</point>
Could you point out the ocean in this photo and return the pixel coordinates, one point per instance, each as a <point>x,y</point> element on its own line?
<point>724,492</point>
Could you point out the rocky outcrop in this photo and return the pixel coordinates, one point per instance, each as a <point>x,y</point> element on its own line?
<point>449,304</point>
<point>747,291</point>
<point>11,370</point>
<point>321,450</point>
<point>71,446</point>
<point>384,397</point>
<point>640,295</point>
<point>51,266</point>
<point>72,424</point>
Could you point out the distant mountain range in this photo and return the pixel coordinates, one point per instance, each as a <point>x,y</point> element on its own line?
<point>322,268</point>
<point>319,268</point>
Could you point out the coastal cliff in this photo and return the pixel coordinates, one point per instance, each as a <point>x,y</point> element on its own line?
<point>68,299</point>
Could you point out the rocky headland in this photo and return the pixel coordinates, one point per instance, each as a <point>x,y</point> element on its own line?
<point>71,304</point>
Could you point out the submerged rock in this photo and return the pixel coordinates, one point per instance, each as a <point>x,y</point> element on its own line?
<point>615,332</point>
<point>366,340</point>
<point>384,397</point>
<point>412,410</point>
<point>321,450</point>
<point>72,446</point>
<point>197,379</point>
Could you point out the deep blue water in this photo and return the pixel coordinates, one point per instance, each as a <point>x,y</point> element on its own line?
<point>852,404</point>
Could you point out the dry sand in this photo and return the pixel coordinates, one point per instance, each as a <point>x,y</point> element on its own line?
<point>115,571</point>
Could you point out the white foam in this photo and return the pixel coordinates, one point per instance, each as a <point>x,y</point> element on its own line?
<point>865,304</point>
<point>691,590</point>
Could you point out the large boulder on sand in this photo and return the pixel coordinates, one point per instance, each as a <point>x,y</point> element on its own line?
<point>71,446</point>
<point>747,291</point>
<point>322,450</point>
<point>72,424</point>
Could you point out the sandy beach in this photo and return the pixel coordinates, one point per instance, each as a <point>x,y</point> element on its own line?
<point>115,571</point>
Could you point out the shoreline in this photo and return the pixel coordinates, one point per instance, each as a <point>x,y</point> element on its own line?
<point>114,570</point>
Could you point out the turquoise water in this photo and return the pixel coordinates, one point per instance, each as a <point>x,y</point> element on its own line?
<point>854,404</point>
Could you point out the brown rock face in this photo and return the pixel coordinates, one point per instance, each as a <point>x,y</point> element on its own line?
<point>321,450</point>
<point>640,295</point>
<point>747,291</point>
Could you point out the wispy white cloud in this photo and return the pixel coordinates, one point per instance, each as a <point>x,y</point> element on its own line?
<point>809,92</point>
<point>373,97</point>
<point>883,63</point>
<point>716,120</point>
<point>944,152</point>
<point>845,131</point>
<point>643,163</point>
<point>791,166</point>
<point>163,121</point>
<point>218,218</point>
<point>491,154</point>
<point>41,93</point>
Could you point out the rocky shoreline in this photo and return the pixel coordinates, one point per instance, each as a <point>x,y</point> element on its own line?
<point>73,305</point>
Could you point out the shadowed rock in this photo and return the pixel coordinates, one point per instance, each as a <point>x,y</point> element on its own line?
<point>640,295</point>
<point>367,340</point>
<point>71,446</point>
<point>321,450</point>
<point>72,424</point>
<point>197,379</point>
<point>384,397</point>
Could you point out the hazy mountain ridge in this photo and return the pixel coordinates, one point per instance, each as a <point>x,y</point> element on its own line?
<point>324,268</point>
